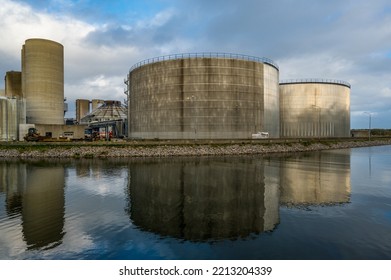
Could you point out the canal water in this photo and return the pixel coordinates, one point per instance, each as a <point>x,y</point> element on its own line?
<point>322,205</point>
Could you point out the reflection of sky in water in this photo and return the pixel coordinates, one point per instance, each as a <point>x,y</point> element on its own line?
<point>99,223</point>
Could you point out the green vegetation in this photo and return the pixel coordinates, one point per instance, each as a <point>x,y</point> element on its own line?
<point>381,132</point>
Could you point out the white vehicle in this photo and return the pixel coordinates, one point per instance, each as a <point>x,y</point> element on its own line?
<point>260,135</point>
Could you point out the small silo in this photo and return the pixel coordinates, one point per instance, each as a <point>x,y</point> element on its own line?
<point>82,109</point>
<point>43,81</point>
<point>13,84</point>
<point>313,108</point>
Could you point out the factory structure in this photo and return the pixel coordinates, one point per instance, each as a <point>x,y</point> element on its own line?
<point>33,103</point>
<point>183,96</point>
<point>231,96</point>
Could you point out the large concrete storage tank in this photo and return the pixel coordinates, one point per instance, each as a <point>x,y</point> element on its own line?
<point>203,96</point>
<point>43,81</point>
<point>315,108</point>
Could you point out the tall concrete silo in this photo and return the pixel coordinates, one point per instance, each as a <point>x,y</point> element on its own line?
<point>315,108</point>
<point>13,84</point>
<point>82,108</point>
<point>43,81</point>
<point>203,96</point>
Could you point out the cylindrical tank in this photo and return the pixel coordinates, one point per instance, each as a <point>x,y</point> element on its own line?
<point>43,81</point>
<point>203,96</point>
<point>8,119</point>
<point>82,108</point>
<point>96,103</point>
<point>315,108</point>
<point>13,84</point>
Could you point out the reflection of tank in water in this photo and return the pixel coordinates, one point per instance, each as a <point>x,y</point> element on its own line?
<point>203,199</point>
<point>316,178</point>
<point>12,182</point>
<point>43,206</point>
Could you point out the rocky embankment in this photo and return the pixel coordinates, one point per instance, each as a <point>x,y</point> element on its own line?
<point>164,150</point>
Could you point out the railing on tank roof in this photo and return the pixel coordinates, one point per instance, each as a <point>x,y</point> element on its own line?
<point>322,81</point>
<point>204,55</point>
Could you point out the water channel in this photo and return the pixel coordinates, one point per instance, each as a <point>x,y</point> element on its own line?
<point>322,205</point>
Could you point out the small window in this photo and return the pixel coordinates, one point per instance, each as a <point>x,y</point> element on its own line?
<point>68,133</point>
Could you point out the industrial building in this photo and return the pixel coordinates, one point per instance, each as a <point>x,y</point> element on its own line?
<point>108,118</point>
<point>314,108</point>
<point>203,96</point>
<point>230,96</point>
<point>183,96</point>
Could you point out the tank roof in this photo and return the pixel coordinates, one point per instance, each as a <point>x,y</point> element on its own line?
<point>315,81</point>
<point>109,110</point>
<point>204,55</point>
<point>43,41</point>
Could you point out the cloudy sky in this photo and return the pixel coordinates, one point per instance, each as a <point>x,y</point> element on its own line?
<point>346,40</point>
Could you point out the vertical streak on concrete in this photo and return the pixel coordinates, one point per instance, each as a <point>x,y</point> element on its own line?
<point>182,97</point>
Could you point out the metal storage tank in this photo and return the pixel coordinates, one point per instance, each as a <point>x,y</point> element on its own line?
<point>82,109</point>
<point>43,81</point>
<point>315,108</point>
<point>13,84</point>
<point>203,96</point>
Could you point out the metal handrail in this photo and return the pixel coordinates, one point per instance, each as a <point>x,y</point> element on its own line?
<point>204,55</point>
<point>322,81</point>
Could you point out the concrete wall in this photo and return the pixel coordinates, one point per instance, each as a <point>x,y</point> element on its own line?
<point>315,110</point>
<point>202,98</point>
<point>43,81</point>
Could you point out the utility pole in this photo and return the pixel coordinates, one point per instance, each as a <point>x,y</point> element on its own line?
<point>369,127</point>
